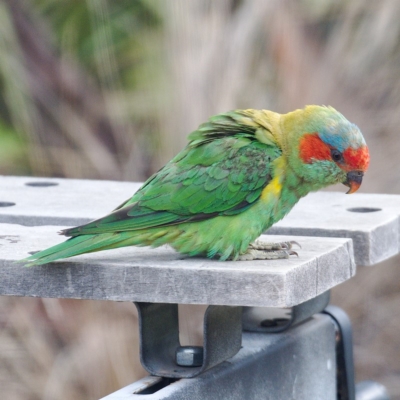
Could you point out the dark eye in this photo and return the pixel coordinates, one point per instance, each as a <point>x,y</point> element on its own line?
<point>336,155</point>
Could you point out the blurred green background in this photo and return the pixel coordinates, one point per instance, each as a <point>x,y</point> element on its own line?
<point>109,89</point>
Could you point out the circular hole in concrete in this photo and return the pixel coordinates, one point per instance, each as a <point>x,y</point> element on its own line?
<point>41,184</point>
<point>364,209</point>
<point>6,204</point>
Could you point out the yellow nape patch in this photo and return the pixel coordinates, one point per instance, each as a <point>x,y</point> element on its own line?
<point>273,188</point>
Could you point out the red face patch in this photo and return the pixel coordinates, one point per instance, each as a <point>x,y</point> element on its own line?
<point>313,148</point>
<point>357,159</point>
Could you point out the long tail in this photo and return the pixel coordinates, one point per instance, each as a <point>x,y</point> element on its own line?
<point>79,245</point>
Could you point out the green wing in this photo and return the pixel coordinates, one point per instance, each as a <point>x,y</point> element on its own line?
<point>222,171</point>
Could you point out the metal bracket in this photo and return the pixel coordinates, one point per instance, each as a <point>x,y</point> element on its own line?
<point>346,389</point>
<point>274,320</point>
<point>293,364</point>
<point>344,353</point>
<point>159,338</point>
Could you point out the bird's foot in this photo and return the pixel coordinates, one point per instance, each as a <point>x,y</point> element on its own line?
<point>269,251</point>
<point>260,245</point>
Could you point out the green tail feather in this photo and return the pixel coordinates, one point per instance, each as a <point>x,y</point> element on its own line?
<point>78,245</point>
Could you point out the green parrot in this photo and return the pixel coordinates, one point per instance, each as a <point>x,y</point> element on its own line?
<point>241,172</point>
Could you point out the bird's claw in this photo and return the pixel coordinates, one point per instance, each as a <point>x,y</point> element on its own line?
<point>269,251</point>
<point>259,245</point>
<point>293,242</point>
<point>254,254</point>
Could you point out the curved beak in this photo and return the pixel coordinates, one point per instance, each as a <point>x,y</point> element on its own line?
<point>353,181</point>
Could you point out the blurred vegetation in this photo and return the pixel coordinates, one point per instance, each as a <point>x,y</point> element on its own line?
<point>75,79</point>
<point>110,89</point>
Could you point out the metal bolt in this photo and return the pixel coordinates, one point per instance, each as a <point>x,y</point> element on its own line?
<point>189,356</point>
<point>269,323</point>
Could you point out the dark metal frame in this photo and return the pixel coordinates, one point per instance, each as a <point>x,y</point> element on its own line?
<point>344,353</point>
<point>159,341</point>
<point>159,338</point>
<point>159,334</point>
<point>298,314</point>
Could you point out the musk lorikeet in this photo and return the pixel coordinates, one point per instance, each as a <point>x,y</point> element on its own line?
<point>241,172</point>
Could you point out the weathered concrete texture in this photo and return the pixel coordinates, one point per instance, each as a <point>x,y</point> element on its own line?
<point>67,202</point>
<point>162,275</point>
<point>372,221</point>
<point>71,202</point>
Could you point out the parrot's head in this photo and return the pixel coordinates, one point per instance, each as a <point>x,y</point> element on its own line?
<point>329,148</point>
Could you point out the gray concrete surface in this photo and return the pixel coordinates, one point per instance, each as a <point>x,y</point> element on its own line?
<point>371,220</point>
<point>71,202</point>
<point>165,276</point>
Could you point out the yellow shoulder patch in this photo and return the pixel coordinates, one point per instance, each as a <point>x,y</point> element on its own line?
<point>273,188</point>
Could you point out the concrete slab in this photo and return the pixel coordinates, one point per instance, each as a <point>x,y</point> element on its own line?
<point>165,276</point>
<point>372,221</point>
<point>55,201</point>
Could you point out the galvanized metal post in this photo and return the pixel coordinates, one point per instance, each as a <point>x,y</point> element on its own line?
<point>299,363</point>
